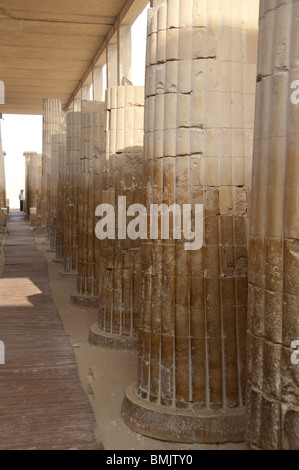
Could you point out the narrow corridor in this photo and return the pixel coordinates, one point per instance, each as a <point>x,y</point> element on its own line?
<point>42,402</point>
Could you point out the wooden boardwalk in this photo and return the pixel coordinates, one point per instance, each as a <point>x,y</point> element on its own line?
<point>42,402</point>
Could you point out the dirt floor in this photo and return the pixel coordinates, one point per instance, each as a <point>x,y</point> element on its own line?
<point>105,373</point>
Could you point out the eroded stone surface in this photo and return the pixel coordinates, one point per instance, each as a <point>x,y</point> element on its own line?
<point>198,128</point>
<point>121,176</point>
<point>273,387</point>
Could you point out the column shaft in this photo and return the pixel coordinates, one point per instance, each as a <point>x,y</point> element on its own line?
<point>273,321</point>
<point>89,196</point>
<point>61,202</point>
<point>200,84</point>
<point>58,141</point>
<point>33,182</point>
<point>73,151</point>
<point>119,276</point>
<point>3,205</point>
<point>53,123</point>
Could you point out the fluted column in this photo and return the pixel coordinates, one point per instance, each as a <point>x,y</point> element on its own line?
<point>89,196</point>
<point>3,208</point>
<point>73,170</point>
<point>26,204</point>
<point>119,274</point>
<point>33,181</point>
<point>53,123</point>
<point>273,320</point>
<point>57,141</point>
<point>2,175</point>
<point>199,113</point>
<point>61,203</point>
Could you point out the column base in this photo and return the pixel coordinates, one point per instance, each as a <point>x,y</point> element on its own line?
<point>84,300</point>
<point>186,426</point>
<point>39,232</point>
<point>99,337</point>
<point>51,250</point>
<point>67,274</point>
<point>58,260</point>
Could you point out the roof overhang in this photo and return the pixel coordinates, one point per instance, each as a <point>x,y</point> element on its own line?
<point>48,48</point>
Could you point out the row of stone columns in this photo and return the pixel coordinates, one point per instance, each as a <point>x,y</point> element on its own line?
<point>186,309</point>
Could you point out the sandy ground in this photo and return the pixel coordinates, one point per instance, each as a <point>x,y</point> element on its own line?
<point>105,373</point>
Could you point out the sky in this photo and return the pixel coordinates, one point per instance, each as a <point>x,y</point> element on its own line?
<point>19,134</point>
<point>23,133</point>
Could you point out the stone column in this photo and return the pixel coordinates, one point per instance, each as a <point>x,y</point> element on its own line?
<point>58,141</point>
<point>53,123</point>
<point>2,174</point>
<point>3,207</point>
<point>27,156</point>
<point>39,177</point>
<point>61,203</point>
<point>199,113</point>
<point>89,196</point>
<point>33,181</point>
<point>26,204</point>
<point>273,320</point>
<point>73,150</point>
<point>119,275</point>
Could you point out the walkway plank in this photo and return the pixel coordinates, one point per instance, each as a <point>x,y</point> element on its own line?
<point>42,402</point>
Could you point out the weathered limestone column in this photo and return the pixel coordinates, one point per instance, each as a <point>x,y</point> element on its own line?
<point>58,141</point>
<point>26,203</point>
<point>73,150</point>
<point>199,113</point>
<point>119,275</point>
<point>2,175</point>
<point>53,123</point>
<point>61,203</point>
<point>33,182</point>
<point>93,121</point>
<point>273,320</point>
<point>38,168</point>
<point>3,208</point>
